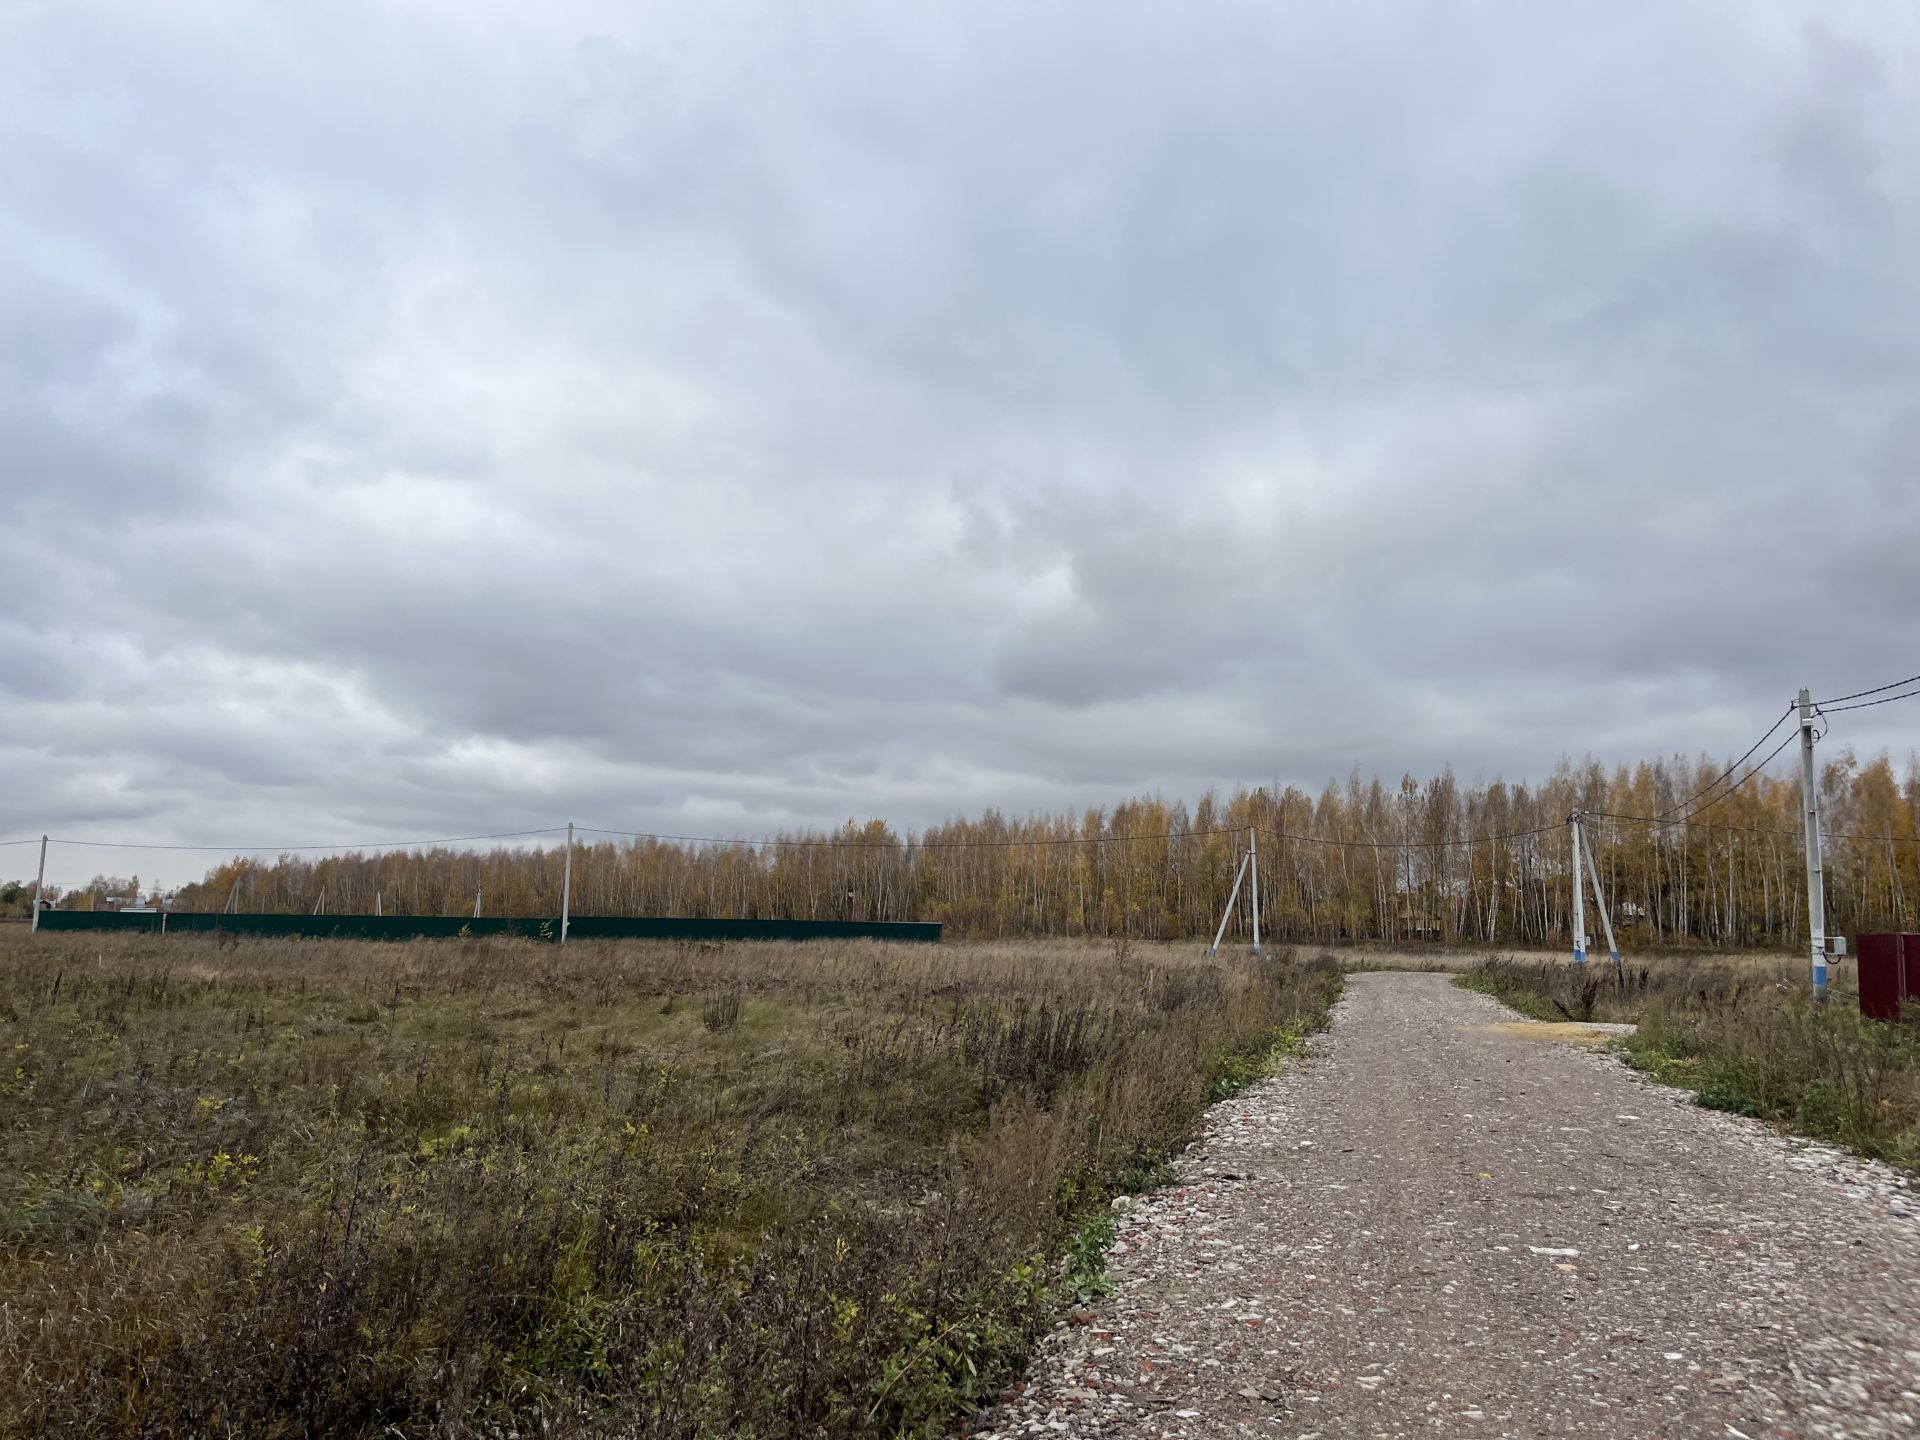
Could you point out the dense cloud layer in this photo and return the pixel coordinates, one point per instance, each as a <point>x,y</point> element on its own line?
<point>723,417</point>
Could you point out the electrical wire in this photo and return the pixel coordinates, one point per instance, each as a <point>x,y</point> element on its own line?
<point>1661,818</point>
<point>289,849</point>
<point>1423,844</point>
<point>1869,704</point>
<point>830,844</point>
<point>1688,805</point>
<point>1795,836</point>
<point>1685,804</point>
<point>1739,829</point>
<point>825,843</point>
<point>1751,830</point>
<point>1890,685</point>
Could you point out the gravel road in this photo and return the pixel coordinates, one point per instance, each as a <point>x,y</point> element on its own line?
<point>1434,1226</point>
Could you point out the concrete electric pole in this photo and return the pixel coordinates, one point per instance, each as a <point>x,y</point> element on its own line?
<point>1816,881</point>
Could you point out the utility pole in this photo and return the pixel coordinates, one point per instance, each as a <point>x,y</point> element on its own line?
<point>38,881</point>
<point>566,887</point>
<point>1579,900</point>
<point>1816,881</point>
<point>1600,900</point>
<point>1227,914</point>
<point>1253,863</point>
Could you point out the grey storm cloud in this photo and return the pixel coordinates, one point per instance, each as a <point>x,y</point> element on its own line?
<point>727,417</point>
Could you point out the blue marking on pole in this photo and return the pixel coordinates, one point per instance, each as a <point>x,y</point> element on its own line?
<point>1820,979</point>
<point>1579,956</point>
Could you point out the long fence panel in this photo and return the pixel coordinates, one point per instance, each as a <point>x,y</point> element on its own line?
<point>447,927</point>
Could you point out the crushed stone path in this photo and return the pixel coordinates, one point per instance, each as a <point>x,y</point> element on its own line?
<point>1434,1227</point>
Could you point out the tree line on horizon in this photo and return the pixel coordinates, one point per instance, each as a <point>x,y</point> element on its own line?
<point>1420,861</point>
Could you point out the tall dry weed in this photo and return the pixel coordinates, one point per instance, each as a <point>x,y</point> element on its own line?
<point>478,1187</point>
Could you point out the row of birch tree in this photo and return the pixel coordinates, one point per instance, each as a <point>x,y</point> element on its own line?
<point>1433,861</point>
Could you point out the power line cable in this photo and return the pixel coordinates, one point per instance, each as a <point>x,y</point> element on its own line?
<point>1661,818</point>
<point>1422,844</point>
<point>288,849</point>
<point>1776,834</point>
<point>1869,704</point>
<point>1685,804</point>
<point>1890,685</point>
<point>784,842</point>
<point>1647,820</point>
<point>1752,830</point>
<point>832,844</point>
<point>1073,840</point>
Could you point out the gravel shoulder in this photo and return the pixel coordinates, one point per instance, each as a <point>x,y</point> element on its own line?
<point>1439,1226</point>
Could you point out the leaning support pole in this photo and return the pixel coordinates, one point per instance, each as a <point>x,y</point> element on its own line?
<point>38,882</point>
<point>1600,899</point>
<point>566,886</point>
<point>1579,900</point>
<point>1816,879</point>
<point>1253,868</point>
<point>1227,914</point>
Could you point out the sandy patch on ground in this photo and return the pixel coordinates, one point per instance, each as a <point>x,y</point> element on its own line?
<point>1565,1031</point>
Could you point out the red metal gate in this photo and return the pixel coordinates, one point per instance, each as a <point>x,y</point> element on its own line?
<point>1889,973</point>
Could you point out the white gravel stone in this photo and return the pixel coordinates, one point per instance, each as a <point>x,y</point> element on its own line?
<point>1379,1242</point>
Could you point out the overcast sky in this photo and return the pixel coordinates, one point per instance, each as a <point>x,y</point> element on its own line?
<point>720,417</point>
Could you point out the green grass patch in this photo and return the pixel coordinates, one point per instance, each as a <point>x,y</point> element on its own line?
<point>1529,1002</point>
<point>1239,1066</point>
<point>1083,1267</point>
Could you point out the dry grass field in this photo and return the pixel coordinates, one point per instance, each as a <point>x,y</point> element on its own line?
<point>495,1188</point>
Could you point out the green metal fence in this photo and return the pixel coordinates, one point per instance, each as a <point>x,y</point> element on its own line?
<point>412,927</point>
